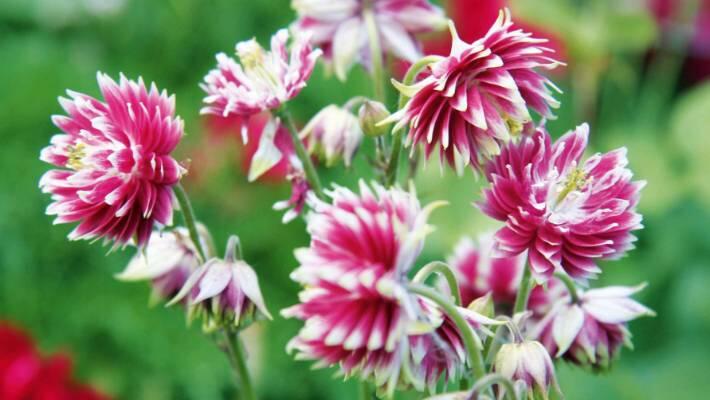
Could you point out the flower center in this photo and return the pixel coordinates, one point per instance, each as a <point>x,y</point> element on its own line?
<point>576,180</point>
<point>76,153</point>
<point>514,126</point>
<point>254,60</point>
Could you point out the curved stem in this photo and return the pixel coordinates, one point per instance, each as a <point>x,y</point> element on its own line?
<point>526,285</point>
<point>373,37</point>
<point>569,283</point>
<point>494,379</point>
<point>414,70</point>
<point>470,340</point>
<point>443,269</point>
<point>188,216</point>
<point>236,355</point>
<point>301,152</point>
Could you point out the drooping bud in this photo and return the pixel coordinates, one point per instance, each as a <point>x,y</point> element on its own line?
<point>370,114</point>
<point>224,292</point>
<point>166,262</point>
<point>483,305</point>
<point>333,133</point>
<point>529,363</point>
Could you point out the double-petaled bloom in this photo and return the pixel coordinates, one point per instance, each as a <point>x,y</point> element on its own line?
<point>224,292</point>
<point>333,134</point>
<point>358,313</point>
<point>115,171</point>
<point>468,104</point>
<point>167,261</point>
<point>565,213</point>
<point>480,271</point>
<point>590,329</point>
<point>340,28</point>
<point>527,362</point>
<point>261,80</point>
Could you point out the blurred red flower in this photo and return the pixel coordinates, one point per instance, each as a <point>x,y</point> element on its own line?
<point>26,375</point>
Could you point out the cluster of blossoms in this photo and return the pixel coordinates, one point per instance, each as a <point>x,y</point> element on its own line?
<point>362,311</point>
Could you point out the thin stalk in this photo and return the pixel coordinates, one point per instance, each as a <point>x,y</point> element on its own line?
<point>443,269</point>
<point>365,393</point>
<point>526,285</point>
<point>373,37</point>
<point>188,215</point>
<point>470,340</point>
<point>569,283</point>
<point>301,152</point>
<point>236,355</point>
<point>494,379</point>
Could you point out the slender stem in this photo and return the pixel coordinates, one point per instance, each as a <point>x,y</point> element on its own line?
<point>373,37</point>
<point>569,283</point>
<point>301,152</point>
<point>188,216</point>
<point>470,340</point>
<point>414,70</point>
<point>365,393</point>
<point>526,284</point>
<point>443,269</point>
<point>236,355</point>
<point>492,344</point>
<point>494,379</point>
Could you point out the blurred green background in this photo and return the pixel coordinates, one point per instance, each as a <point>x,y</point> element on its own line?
<point>637,78</point>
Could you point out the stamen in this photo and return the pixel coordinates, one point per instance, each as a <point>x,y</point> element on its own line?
<point>514,127</point>
<point>253,58</point>
<point>576,180</point>
<point>76,154</point>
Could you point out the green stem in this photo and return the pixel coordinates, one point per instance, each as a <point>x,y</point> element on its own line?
<point>443,269</point>
<point>373,37</point>
<point>414,70</point>
<point>188,216</point>
<point>526,285</point>
<point>494,379</point>
<point>470,340</point>
<point>301,152</point>
<point>236,355</point>
<point>365,393</point>
<point>569,283</point>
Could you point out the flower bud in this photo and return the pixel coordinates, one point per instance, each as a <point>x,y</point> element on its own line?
<point>527,362</point>
<point>332,134</point>
<point>483,305</point>
<point>224,291</point>
<point>370,114</point>
<point>167,261</point>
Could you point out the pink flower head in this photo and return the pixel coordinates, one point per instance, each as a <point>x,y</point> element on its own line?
<point>566,213</point>
<point>357,311</point>
<point>340,28</point>
<point>591,329</point>
<point>262,80</point>
<point>300,192</point>
<point>479,271</point>
<point>167,261</point>
<point>472,101</point>
<point>333,134</point>
<point>115,173</point>
<point>224,291</point>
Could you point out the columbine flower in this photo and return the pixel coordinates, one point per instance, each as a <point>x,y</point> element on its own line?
<point>115,173</point>
<point>565,213</point>
<point>527,362</point>
<point>167,261</point>
<point>332,134</point>
<point>473,100</point>
<point>370,114</point>
<point>224,291</point>
<point>263,80</point>
<point>356,309</point>
<point>479,271</point>
<point>300,192</point>
<point>339,27</point>
<point>589,330</point>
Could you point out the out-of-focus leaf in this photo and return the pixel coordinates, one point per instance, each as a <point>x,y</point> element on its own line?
<point>629,32</point>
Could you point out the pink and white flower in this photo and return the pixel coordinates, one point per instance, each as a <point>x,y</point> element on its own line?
<point>527,362</point>
<point>167,261</point>
<point>261,80</point>
<point>591,329</point>
<point>334,133</point>
<point>480,271</point>
<point>470,103</point>
<point>339,27</point>
<point>565,213</point>
<point>300,192</point>
<point>224,291</point>
<point>358,313</point>
<point>115,171</point>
